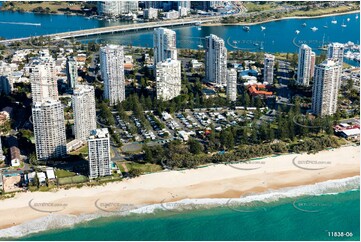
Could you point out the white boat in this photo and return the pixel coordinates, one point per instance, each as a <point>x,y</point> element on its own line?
<point>297,31</point>
<point>199,28</point>
<point>356,16</point>
<point>334,21</point>
<point>325,26</point>
<point>304,24</point>
<point>200,46</point>
<point>343,25</point>
<point>246,28</point>
<point>263,28</point>
<point>314,29</point>
<point>348,19</point>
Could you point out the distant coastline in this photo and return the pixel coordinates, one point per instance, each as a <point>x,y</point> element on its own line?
<point>279,19</point>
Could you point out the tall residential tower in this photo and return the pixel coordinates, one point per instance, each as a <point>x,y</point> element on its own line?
<point>43,79</point>
<point>164,42</point>
<point>99,153</point>
<point>83,100</point>
<point>232,85</point>
<point>49,129</point>
<point>269,62</point>
<point>216,60</point>
<point>112,71</point>
<point>305,65</point>
<point>168,79</point>
<point>325,87</point>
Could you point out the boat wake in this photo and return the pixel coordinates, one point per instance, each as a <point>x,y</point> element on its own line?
<point>21,23</point>
<point>55,221</point>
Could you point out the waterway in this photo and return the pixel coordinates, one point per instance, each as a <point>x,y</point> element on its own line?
<point>278,36</point>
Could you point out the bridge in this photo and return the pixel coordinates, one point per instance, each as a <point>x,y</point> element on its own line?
<point>123,28</point>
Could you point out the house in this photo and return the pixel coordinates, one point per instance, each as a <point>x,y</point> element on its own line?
<point>50,173</point>
<point>31,176</point>
<point>347,131</point>
<point>42,178</point>
<point>15,156</point>
<point>350,133</point>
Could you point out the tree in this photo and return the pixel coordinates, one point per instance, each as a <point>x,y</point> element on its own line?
<point>134,172</point>
<point>195,147</point>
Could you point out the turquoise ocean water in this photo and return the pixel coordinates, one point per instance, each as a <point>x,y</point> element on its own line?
<point>300,218</point>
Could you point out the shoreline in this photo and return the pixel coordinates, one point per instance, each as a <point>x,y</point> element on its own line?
<point>283,18</point>
<point>212,182</point>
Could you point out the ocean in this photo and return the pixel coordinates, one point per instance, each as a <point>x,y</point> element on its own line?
<point>314,212</point>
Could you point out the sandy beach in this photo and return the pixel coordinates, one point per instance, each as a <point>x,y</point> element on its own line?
<point>284,18</point>
<point>215,181</point>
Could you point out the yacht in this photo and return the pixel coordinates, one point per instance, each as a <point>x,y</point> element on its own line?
<point>343,25</point>
<point>356,16</point>
<point>304,24</point>
<point>314,29</point>
<point>263,28</point>
<point>297,31</point>
<point>348,19</point>
<point>246,28</point>
<point>334,21</point>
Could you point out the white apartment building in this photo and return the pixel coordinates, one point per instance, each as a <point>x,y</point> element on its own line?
<point>7,78</point>
<point>325,87</point>
<point>72,72</point>
<point>269,62</point>
<point>150,13</point>
<point>216,60</point>
<point>168,79</point>
<point>43,79</point>
<point>117,8</point>
<point>164,42</point>
<point>99,153</point>
<point>83,101</point>
<point>49,129</point>
<point>112,71</point>
<point>231,89</point>
<point>336,51</point>
<point>306,61</point>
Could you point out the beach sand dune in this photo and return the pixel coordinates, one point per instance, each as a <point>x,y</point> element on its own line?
<point>214,181</point>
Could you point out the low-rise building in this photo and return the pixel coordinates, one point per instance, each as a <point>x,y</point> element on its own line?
<point>150,13</point>
<point>259,90</point>
<point>15,156</point>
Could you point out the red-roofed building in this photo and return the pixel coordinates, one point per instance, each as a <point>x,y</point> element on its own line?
<point>257,90</point>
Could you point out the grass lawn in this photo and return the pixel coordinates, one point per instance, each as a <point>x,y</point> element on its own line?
<point>252,7</point>
<point>83,150</point>
<point>53,6</point>
<point>318,12</point>
<point>63,173</point>
<point>145,168</point>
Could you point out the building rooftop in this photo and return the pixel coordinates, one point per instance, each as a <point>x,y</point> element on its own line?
<point>351,132</point>
<point>99,133</point>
